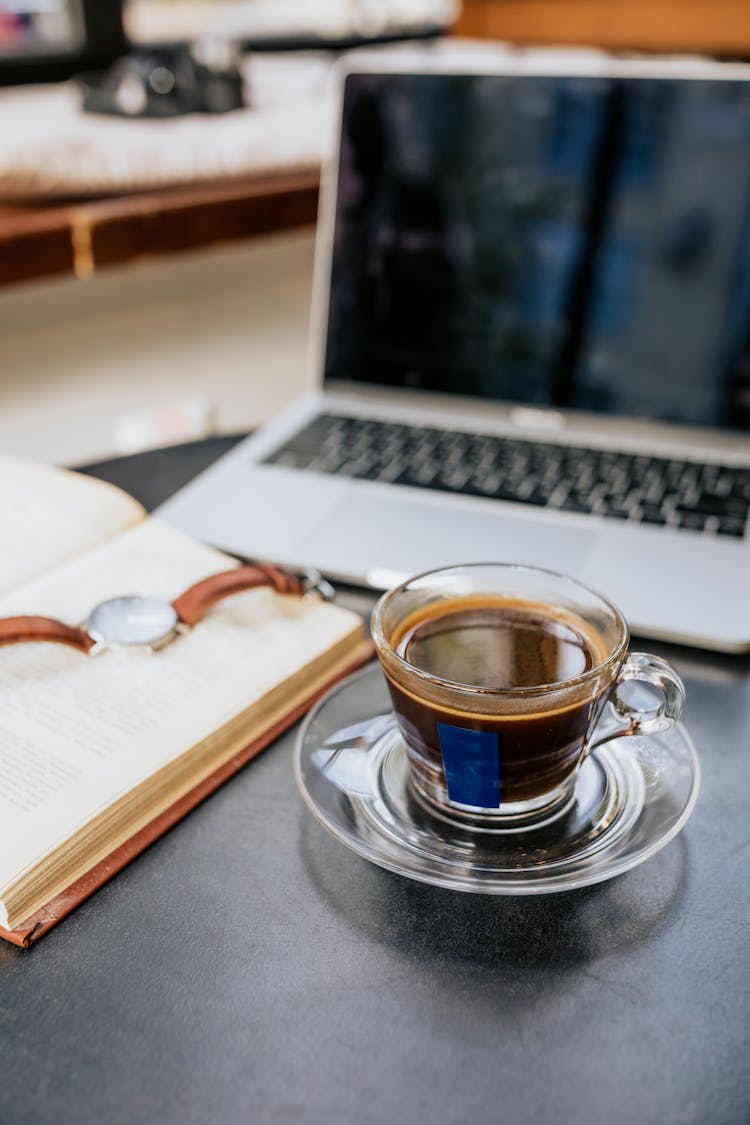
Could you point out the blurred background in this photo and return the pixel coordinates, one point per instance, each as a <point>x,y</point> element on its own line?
<point>159,171</point>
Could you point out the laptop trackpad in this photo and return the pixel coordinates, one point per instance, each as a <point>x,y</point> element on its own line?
<point>369,533</point>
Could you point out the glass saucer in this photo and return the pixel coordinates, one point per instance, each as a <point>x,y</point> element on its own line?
<point>631,797</point>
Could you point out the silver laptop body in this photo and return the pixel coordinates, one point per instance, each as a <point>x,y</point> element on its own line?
<point>673,581</point>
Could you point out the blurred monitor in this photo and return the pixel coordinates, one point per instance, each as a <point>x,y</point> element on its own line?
<point>50,40</point>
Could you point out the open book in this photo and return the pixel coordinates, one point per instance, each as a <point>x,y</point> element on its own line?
<point>100,754</point>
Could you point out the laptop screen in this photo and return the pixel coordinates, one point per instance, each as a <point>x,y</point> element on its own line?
<point>578,242</point>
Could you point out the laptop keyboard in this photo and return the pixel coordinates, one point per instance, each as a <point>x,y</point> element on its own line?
<point>698,497</point>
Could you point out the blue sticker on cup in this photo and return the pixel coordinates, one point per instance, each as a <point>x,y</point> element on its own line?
<point>471,760</point>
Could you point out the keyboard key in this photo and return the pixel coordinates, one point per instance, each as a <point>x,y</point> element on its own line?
<point>691,521</point>
<point>656,518</point>
<point>720,506</point>
<point>731,526</point>
<point>651,513</point>
<point>574,504</point>
<point>504,493</point>
<point>538,497</point>
<point>740,485</point>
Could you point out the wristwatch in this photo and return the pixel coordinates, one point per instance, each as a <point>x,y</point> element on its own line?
<point>150,622</point>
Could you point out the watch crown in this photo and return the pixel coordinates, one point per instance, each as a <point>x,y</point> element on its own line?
<point>315,583</point>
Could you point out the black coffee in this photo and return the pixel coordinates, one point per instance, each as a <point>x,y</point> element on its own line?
<point>500,645</point>
<point>503,643</point>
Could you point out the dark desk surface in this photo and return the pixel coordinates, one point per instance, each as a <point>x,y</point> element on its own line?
<point>249,968</point>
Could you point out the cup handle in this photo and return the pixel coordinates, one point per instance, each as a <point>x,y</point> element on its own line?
<point>641,667</point>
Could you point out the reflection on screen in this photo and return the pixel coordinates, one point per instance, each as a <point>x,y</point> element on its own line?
<point>580,242</point>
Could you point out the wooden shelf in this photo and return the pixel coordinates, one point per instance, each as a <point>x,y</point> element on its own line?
<point>81,237</point>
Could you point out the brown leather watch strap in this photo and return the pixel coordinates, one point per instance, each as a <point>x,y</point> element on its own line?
<point>15,630</point>
<point>194,603</point>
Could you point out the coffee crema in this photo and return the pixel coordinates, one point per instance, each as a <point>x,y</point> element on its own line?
<point>498,643</point>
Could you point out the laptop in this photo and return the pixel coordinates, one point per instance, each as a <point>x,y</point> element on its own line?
<point>531,342</point>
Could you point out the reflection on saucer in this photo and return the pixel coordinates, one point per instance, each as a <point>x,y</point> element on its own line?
<point>345,756</point>
<point>632,797</point>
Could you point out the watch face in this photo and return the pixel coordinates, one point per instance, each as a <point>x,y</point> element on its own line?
<point>132,621</point>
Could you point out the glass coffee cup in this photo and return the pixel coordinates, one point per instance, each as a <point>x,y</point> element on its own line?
<point>503,678</point>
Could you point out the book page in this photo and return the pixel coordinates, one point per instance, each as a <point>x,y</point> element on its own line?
<point>49,515</point>
<point>77,732</point>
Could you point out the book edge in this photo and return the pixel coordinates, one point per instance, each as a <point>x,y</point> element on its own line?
<point>43,920</point>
